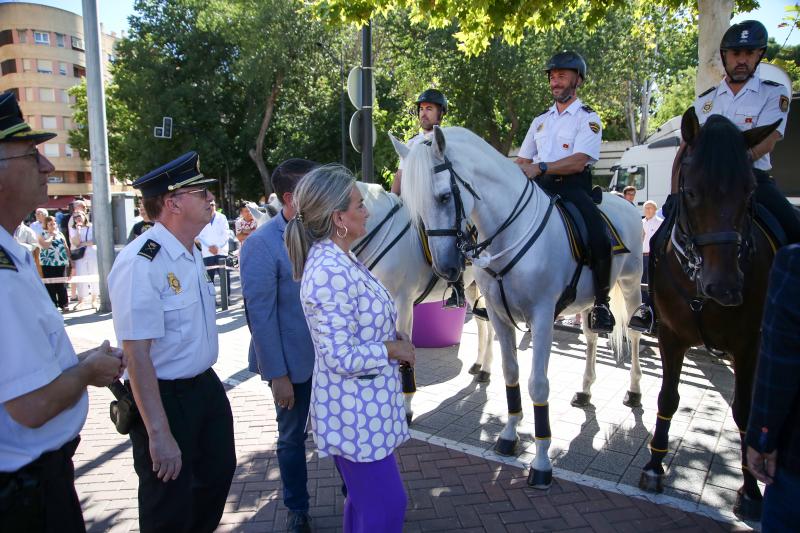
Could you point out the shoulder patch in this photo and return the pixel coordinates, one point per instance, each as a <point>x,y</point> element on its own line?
<point>6,263</point>
<point>706,92</point>
<point>594,126</point>
<point>150,249</point>
<point>772,83</point>
<point>784,103</point>
<point>543,112</point>
<point>587,108</point>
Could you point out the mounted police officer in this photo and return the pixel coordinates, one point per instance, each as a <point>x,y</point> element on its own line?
<point>43,399</point>
<point>431,108</point>
<point>164,314</point>
<point>558,151</point>
<point>748,102</point>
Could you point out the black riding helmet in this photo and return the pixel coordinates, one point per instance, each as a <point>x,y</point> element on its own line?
<point>748,35</point>
<point>433,96</point>
<point>567,60</point>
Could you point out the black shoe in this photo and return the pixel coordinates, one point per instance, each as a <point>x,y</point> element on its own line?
<point>455,300</point>
<point>600,319</point>
<point>642,320</point>
<point>298,522</point>
<point>480,312</point>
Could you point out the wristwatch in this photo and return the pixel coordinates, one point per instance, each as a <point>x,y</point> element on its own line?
<point>543,167</point>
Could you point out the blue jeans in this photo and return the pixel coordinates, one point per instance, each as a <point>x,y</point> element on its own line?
<point>292,448</point>
<point>780,511</point>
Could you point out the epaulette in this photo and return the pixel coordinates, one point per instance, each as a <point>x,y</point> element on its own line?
<point>543,112</point>
<point>772,83</point>
<point>706,92</point>
<point>150,249</point>
<point>587,108</point>
<point>6,263</point>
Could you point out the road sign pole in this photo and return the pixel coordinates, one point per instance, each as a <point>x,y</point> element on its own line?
<point>367,174</point>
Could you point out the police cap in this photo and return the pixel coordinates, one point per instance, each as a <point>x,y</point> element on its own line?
<point>12,124</point>
<point>181,172</point>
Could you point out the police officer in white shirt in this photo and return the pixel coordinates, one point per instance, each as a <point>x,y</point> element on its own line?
<point>43,399</point>
<point>558,151</point>
<point>164,314</point>
<point>214,242</point>
<point>748,102</point>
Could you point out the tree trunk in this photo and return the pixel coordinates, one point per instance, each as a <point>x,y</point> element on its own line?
<point>645,110</point>
<point>630,114</point>
<point>714,17</point>
<point>257,153</point>
<point>508,141</point>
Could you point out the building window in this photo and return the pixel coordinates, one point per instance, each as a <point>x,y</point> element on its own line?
<point>29,92</point>
<point>27,65</point>
<point>63,96</point>
<point>44,66</point>
<point>9,66</point>
<point>62,69</point>
<point>22,36</point>
<point>68,151</point>
<point>51,150</point>
<point>61,40</point>
<point>41,37</point>
<point>6,37</point>
<point>78,71</point>
<point>67,123</point>
<point>47,95</point>
<point>77,43</point>
<point>48,123</point>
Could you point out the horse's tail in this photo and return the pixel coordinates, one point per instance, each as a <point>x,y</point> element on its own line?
<point>618,338</point>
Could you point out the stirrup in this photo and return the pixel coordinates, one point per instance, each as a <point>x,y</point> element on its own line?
<point>455,300</point>
<point>600,319</point>
<point>642,320</point>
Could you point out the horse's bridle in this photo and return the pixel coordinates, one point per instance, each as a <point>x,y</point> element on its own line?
<point>692,241</point>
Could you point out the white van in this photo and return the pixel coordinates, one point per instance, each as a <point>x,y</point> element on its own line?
<point>648,166</point>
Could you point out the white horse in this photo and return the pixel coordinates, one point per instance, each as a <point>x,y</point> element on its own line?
<point>393,252</point>
<point>465,179</point>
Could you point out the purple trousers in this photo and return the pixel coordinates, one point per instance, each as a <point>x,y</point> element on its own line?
<point>376,499</point>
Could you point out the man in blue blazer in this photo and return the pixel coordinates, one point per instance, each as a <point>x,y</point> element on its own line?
<point>280,348</point>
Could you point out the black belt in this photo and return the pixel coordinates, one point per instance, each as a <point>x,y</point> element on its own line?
<point>177,386</point>
<point>47,465</point>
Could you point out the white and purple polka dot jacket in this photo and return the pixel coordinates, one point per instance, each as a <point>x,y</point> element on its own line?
<point>357,408</point>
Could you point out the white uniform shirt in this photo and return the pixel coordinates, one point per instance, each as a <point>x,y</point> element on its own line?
<point>170,300</point>
<point>758,103</point>
<point>554,136</point>
<point>36,350</point>
<point>215,234</point>
<point>649,227</point>
<point>418,138</point>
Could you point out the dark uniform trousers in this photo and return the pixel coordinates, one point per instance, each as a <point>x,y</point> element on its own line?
<point>201,422</point>
<point>577,188</point>
<point>768,195</point>
<point>41,497</point>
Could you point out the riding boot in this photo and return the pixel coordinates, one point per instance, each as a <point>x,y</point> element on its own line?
<point>456,298</point>
<point>768,195</point>
<point>600,318</point>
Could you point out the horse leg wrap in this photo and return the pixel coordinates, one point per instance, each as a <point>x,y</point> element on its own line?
<point>513,399</point>
<point>659,444</point>
<point>409,383</point>
<point>541,421</point>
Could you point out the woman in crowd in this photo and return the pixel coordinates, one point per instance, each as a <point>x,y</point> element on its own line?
<point>54,259</point>
<point>245,224</point>
<point>357,412</point>
<point>82,238</point>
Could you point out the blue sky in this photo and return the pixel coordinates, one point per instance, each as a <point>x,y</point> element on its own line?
<point>114,15</point>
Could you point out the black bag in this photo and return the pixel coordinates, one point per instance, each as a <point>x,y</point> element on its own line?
<point>77,253</point>
<point>123,411</point>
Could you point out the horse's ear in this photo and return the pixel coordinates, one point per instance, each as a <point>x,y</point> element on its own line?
<point>756,135</point>
<point>690,126</point>
<point>401,149</point>
<point>438,142</point>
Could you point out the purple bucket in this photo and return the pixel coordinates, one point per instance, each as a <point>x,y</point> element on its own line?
<point>436,327</point>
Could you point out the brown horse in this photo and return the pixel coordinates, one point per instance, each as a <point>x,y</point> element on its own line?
<point>710,281</point>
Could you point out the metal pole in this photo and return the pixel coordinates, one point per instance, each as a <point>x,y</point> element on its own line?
<point>367,170</point>
<point>98,147</point>
<point>223,283</point>
<point>342,96</point>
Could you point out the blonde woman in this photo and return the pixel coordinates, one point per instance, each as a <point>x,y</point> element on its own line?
<point>357,411</point>
<point>82,238</point>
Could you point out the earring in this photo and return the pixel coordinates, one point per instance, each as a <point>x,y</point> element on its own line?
<point>341,236</point>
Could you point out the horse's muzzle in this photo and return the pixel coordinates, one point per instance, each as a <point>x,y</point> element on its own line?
<point>725,295</point>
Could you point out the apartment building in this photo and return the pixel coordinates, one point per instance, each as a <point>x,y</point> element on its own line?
<point>41,57</point>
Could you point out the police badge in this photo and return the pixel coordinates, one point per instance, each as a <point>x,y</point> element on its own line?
<point>707,106</point>
<point>174,283</point>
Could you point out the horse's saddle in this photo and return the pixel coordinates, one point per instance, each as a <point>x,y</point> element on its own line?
<point>770,227</point>
<point>578,233</point>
